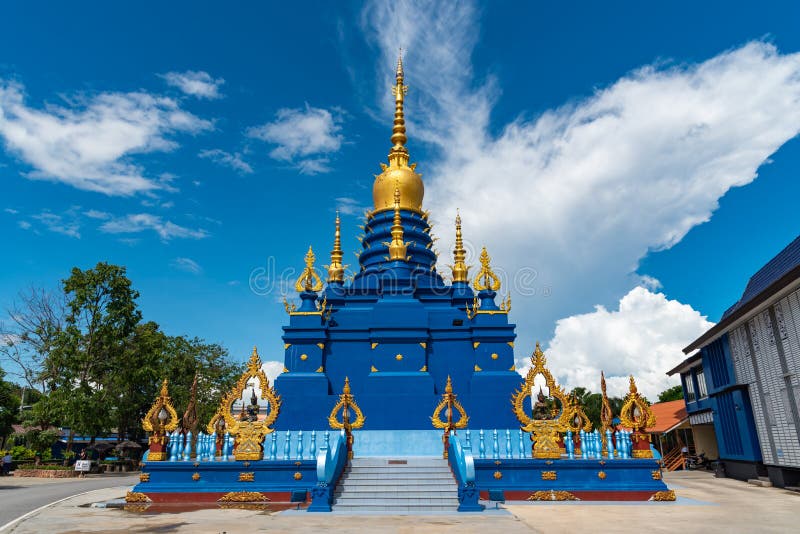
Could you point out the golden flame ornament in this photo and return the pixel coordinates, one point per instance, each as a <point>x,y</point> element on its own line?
<point>309,279</point>
<point>451,405</point>
<point>344,408</point>
<point>249,435</point>
<point>160,419</point>
<point>486,279</point>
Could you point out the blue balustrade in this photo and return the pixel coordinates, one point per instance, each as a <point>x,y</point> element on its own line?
<point>481,445</point>
<point>468,439</point>
<point>300,445</point>
<point>312,449</point>
<point>463,466</point>
<point>330,465</point>
<point>521,444</point>
<point>569,445</point>
<point>509,453</point>
<point>495,446</point>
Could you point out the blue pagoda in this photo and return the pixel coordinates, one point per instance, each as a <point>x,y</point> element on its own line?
<point>398,329</point>
<point>399,393</point>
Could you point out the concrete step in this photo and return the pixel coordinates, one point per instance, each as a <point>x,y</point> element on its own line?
<point>376,482</point>
<point>395,509</point>
<point>764,482</point>
<point>400,492</point>
<point>398,501</point>
<point>419,473</point>
<point>419,489</point>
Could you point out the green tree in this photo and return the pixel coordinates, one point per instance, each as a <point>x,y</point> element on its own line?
<point>101,316</point>
<point>216,375</point>
<point>9,406</point>
<point>593,402</point>
<point>671,394</point>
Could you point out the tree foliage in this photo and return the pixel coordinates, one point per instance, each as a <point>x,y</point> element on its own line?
<point>592,404</point>
<point>98,365</point>
<point>671,394</point>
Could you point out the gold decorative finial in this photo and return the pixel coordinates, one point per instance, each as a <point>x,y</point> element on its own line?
<point>486,279</point>
<point>450,405</point>
<point>459,268</point>
<point>398,247</point>
<point>398,173</point>
<point>309,279</point>
<point>336,269</point>
<point>344,409</point>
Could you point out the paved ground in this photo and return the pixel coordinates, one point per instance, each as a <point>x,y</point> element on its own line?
<point>20,495</point>
<point>705,505</point>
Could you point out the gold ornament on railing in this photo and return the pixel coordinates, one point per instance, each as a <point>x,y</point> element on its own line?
<point>248,428</point>
<point>606,414</point>
<point>637,415</point>
<point>344,407</point>
<point>546,424</point>
<point>309,279</point>
<point>160,419</point>
<point>451,405</point>
<point>486,279</point>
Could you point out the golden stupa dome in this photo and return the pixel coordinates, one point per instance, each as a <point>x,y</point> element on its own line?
<point>398,174</point>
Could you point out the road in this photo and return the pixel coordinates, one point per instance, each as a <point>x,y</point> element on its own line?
<point>21,495</point>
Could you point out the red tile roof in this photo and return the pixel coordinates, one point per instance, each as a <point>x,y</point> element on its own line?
<point>668,415</point>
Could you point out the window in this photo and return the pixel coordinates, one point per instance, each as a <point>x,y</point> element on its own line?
<point>702,393</point>
<point>688,387</point>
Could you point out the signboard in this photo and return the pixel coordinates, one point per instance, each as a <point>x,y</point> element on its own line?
<point>83,465</point>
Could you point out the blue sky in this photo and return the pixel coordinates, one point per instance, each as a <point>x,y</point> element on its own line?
<point>585,143</point>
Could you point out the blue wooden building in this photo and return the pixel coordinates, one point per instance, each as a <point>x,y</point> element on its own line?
<point>743,375</point>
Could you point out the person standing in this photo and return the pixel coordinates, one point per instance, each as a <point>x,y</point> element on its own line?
<point>7,461</point>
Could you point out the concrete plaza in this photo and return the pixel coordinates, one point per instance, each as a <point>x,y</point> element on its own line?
<point>705,504</point>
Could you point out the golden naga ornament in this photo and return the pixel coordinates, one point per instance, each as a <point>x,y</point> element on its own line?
<point>577,420</point>
<point>606,414</point>
<point>343,408</point>
<point>309,280</point>
<point>459,269</point>
<point>636,414</point>
<point>546,423</point>
<point>398,174</point>
<point>451,405</point>
<point>160,419</point>
<point>248,427</point>
<point>486,279</point>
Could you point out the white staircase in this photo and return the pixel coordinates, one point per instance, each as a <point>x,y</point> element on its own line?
<point>396,485</point>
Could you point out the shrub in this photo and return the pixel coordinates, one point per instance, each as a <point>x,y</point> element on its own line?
<point>20,453</point>
<point>46,467</point>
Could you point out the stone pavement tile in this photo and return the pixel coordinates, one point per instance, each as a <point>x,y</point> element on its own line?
<point>705,505</point>
<point>74,516</point>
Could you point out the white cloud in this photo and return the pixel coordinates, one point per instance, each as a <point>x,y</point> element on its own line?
<point>199,84</point>
<point>186,264</point>
<point>644,337</point>
<point>97,214</point>
<point>88,144</point>
<point>303,137</point>
<point>25,225</point>
<point>272,369</point>
<point>140,222</point>
<point>571,200</point>
<point>12,211</point>
<point>350,206</point>
<point>226,159</point>
<point>67,224</point>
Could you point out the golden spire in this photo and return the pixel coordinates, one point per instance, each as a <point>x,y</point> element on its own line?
<point>397,248</point>
<point>398,173</point>
<point>486,279</point>
<point>309,279</point>
<point>459,268</point>
<point>336,269</point>
<point>399,130</point>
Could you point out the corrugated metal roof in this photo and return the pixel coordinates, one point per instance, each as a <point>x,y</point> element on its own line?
<point>786,260</point>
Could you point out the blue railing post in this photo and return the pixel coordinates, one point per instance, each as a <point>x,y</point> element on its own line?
<point>463,465</point>
<point>287,445</point>
<point>299,444</point>
<point>330,465</point>
<point>495,446</point>
<point>509,454</point>
<point>312,448</point>
<point>521,444</point>
<point>481,445</point>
